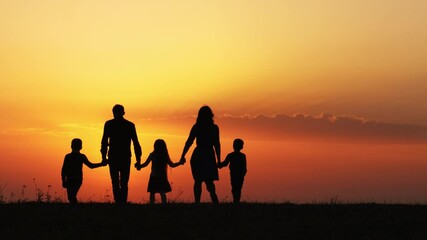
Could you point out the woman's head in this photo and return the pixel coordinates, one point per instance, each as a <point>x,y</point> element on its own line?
<point>205,115</point>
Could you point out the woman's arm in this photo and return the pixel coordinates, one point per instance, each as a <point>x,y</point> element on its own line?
<point>188,143</point>
<point>217,145</point>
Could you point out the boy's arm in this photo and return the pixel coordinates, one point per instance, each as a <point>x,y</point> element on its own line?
<point>225,162</point>
<point>92,165</point>
<point>244,163</point>
<point>64,173</point>
<point>63,170</point>
<point>97,165</point>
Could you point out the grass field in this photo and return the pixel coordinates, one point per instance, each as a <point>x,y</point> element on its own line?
<point>206,221</point>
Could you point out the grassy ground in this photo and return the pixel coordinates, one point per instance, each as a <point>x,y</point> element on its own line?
<point>207,221</point>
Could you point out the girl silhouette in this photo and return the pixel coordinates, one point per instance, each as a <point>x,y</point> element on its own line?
<point>158,182</point>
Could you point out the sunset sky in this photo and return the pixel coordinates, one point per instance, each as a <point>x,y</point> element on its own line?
<point>330,96</point>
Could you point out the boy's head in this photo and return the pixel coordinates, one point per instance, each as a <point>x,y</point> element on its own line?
<point>238,144</point>
<point>76,144</point>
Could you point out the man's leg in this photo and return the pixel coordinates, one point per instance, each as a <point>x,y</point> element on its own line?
<point>124,180</point>
<point>114,174</point>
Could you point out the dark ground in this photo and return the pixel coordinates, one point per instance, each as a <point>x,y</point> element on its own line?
<point>205,221</point>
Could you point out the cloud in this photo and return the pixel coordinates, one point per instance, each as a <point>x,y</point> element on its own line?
<point>325,126</point>
<point>64,129</point>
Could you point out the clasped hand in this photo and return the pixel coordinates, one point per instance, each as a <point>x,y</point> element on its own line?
<point>220,165</point>
<point>104,162</point>
<point>182,161</point>
<point>138,166</point>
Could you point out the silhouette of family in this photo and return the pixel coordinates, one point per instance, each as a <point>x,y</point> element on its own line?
<point>116,141</point>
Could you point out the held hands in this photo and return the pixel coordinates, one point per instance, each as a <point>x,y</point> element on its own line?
<point>220,165</point>
<point>138,166</point>
<point>182,161</point>
<point>104,162</point>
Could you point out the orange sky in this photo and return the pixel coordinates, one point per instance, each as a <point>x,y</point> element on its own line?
<point>64,64</point>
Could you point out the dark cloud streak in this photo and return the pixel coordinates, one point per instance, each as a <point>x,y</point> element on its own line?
<point>325,126</point>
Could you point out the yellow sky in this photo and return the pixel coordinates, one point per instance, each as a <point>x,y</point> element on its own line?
<point>267,56</point>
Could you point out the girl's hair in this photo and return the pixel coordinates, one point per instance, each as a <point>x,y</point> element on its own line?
<point>205,115</point>
<point>161,151</point>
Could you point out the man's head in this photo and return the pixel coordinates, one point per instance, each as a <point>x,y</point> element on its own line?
<point>118,111</point>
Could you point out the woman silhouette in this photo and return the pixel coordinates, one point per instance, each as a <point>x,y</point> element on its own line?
<point>203,162</point>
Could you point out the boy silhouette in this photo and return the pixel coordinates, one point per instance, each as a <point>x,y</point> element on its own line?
<point>237,161</point>
<point>72,169</point>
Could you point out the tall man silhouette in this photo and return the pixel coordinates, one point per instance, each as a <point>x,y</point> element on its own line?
<point>118,133</point>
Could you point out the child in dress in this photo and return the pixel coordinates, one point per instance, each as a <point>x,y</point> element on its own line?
<point>237,161</point>
<point>158,182</point>
<point>72,169</point>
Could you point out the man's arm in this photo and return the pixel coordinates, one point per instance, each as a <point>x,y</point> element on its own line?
<point>136,146</point>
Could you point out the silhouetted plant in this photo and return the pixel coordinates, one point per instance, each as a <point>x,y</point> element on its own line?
<point>48,196</point>
<point>107,196</point>
<point>2,198</point>
<point>177,195</point>
<point>334,200</point>
<point>56,198</point>
<point>12,197</point>
<point>39,193</point>
<point>23,197</point>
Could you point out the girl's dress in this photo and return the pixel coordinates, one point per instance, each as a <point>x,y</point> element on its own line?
<point>158,181</point>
